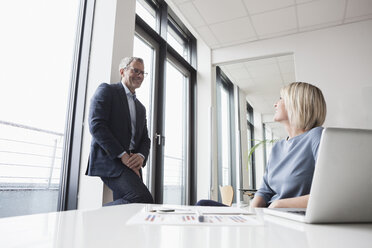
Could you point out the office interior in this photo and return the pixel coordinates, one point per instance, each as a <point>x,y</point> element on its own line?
<point>237,55</point>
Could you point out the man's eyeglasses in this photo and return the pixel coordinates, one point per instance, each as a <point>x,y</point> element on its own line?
<point>137,71</point>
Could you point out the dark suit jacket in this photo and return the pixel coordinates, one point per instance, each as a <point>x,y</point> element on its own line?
<point>110,126</point>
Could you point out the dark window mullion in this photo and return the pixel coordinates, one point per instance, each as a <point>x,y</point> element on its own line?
<point>250,122</point>
<point>160,120</point>
<point>232,137</point>
<point>192,140</point>
<point>163,20</point>
<point>219,131</point>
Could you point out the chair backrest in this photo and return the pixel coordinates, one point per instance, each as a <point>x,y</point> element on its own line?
<point>227,194</point>
<point>107,195</point>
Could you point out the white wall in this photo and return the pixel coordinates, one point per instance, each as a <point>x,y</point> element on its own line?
<point>112,39</point>
<point>338,60</point>
<point>204,116</point>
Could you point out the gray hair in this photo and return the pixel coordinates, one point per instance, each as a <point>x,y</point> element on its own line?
<point>127,60</point>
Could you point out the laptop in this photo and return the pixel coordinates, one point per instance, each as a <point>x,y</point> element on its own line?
<point>341,190</point>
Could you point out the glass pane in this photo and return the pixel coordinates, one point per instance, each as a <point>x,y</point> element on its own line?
<point>175,150</point>
<point>176,41</point>
<point>249,137</point>
<point>225,137</point>
<point>250,161</point>
<point>36,61</point>
<point>146,12</point>
<point>269,145</point>
<point>144,94</point>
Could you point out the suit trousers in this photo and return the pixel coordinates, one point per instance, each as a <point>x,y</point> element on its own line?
<point>127,188</point>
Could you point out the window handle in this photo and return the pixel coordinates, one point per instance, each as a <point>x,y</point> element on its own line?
<point>158,137</point>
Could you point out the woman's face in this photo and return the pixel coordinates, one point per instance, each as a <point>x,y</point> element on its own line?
<point>280,111</point>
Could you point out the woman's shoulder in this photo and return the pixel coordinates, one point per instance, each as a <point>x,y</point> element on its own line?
<point>311,136</point>
<point>314,137</point>
<point>279,144</point>
<point>315,132</point>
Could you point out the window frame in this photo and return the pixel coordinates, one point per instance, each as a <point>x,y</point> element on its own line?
<point>250,125</point>
<point>223,81</point>
<point>185,72</point>
<point>164,13</point>
<point>155,7</point>
<point>70,170</point>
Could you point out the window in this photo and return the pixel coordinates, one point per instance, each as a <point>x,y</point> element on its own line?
<point>269,137</point>
<point>147,51</point>
<point>226,131</point>
<point>147,11</point>
<point>176,39</point>
<point>37,90</point>
<point>176,130</point>
<point>170,173</point>
<point>225,127</point>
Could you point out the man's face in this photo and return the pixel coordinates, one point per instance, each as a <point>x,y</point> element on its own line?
<point>133,75</point>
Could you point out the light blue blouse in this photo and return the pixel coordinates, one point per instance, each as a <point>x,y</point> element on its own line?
<point>290,169</point>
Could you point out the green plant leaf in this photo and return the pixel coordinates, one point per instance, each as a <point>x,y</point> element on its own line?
<point>260,142</point>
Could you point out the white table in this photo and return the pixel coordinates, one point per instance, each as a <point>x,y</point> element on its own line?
<point>106,227</point>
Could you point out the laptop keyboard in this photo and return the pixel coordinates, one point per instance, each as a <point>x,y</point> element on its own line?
<point>301,212</point>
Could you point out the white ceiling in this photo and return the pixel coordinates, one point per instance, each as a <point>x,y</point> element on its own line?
<point>223,23</point>
<point>261,81</point>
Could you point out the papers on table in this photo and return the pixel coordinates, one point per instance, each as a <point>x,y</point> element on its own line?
<point>194,215</point>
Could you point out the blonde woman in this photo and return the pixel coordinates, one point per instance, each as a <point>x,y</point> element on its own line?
<point>288,176</point>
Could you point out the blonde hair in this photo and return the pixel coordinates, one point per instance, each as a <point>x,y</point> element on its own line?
<point>305,105</point>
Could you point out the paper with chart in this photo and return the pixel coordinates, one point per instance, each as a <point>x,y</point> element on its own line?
<point>190,215</point>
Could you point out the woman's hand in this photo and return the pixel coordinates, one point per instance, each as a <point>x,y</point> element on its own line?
<point>276,204</point>
<point>295,202</point>
<point>258,202</point>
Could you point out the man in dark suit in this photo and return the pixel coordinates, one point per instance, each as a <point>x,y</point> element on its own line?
<point>120,143</point>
